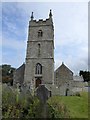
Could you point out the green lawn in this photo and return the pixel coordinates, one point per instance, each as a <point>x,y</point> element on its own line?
<point>77,106</point>
<point>57,107</point>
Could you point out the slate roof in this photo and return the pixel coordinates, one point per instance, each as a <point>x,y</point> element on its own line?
<point>63,66</point>
<point>78,78</point>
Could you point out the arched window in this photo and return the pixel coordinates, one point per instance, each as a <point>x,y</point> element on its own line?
<point>40,33</point>
<point>38,68</point>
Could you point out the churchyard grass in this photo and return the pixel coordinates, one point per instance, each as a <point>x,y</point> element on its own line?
<point>25,105</point>
<point>77,106</point>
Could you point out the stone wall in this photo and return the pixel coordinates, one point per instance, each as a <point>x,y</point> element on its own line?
<point>40,50</point>
<point>64,80</point>
<point>19,75</point>
<point>63,75</point>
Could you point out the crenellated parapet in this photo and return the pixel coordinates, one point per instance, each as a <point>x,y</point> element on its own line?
<point>41,22</point>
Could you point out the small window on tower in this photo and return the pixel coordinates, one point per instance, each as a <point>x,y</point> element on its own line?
<point>40,33</point>
<point>39,49</point>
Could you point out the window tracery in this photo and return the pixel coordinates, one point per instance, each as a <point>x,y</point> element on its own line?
<point>38,68</point>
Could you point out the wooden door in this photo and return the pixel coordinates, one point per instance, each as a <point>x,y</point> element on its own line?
<point>38,81</point>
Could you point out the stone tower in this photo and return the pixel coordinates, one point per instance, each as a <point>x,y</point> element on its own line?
<point>39,67</point>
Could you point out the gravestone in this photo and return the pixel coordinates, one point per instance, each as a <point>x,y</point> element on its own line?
<point>42,93</point>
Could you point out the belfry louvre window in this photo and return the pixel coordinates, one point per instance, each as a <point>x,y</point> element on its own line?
<point>38,68</point>
<point>40,33</point>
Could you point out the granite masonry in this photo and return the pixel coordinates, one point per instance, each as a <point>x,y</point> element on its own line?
<point>39,64</point>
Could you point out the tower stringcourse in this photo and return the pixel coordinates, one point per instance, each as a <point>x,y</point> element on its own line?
<point>39,64</point>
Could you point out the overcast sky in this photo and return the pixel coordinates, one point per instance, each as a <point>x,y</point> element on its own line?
<point>70,32</point>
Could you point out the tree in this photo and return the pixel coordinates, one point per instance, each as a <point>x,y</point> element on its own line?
<point>85,74</point>
<point>7,73</point>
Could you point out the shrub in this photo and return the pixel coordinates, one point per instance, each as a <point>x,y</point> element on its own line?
<point>17,104</point>
<point>57,109</point>
<point>77,94</point>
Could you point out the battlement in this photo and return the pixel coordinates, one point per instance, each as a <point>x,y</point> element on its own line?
<point>40,22</point>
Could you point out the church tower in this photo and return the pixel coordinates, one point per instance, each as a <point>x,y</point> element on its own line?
<point>39,67</point>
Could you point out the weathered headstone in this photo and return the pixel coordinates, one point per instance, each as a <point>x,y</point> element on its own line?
<point>42,93</point>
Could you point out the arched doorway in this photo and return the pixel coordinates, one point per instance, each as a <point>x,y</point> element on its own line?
<point>67,91</point>
<point>38,81</point>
